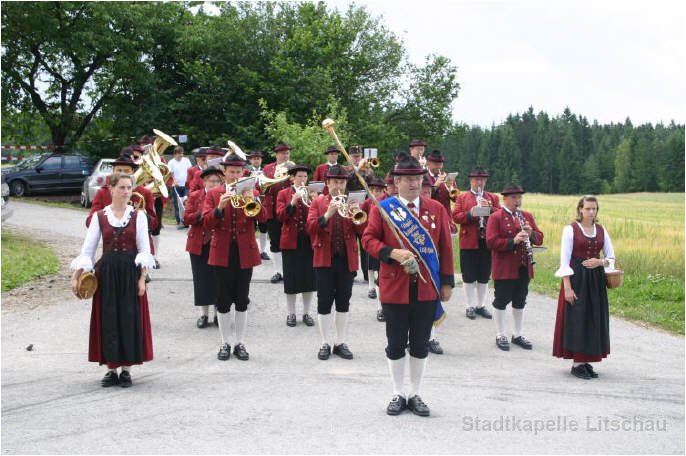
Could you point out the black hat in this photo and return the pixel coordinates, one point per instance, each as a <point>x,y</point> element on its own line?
<point>354,150</point>
<point>426,182</point>
<point>332,150</point>
<point>512,189</point>
<point>215,150</point>
<point>408,167</point>
<point>400,156</point>
<point>199,152</point>
<point>233,160</point>
<point>125,160</point>
<point>478,171</point>
<point>211,170</point>
<point>293,169</point>
<point>417,142</point>
<point>377,182</point>
<point>337,172</point>
<point>281,147</point>
<point>388,179</point>
<point>435,156</point>
<point>256,154</point>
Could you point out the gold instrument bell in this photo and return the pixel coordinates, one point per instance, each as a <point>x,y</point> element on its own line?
<point>87,285</point>
<point>153,172</point>
<point>345,210</point>
<point>139,203</point>
<point>250,205</point>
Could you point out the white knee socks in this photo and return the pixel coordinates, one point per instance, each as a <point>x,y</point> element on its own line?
<point>482,293</point>
<point>263,242</point>
<point>499,322</point>
<point>205,310</point>
<point>341,327</point>
<point>397,369</point>
<point>434,333</point>
<point>277,262</point>
<point>290,303</point>
<point>307,302</point>
<point>325,328</point>
<point>469,291</point>
<point>241,325</point>
<point>417,366</point>
<point>156,245</point>
<point>224,320</point>
<point>517,315</point>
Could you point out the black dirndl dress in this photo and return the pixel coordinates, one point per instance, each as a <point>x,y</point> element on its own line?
<point>298,274</point>
<point>204,288</point>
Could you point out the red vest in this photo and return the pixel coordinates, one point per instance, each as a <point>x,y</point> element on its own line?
<point>506,257</point>
<point>292,223</point>
<point>198,235</point>
<point>103,198</point>
<point>469,227</point>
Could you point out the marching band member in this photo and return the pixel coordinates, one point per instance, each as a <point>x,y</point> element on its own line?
<point>417,148</point>
<point>509,234</point>
<point>322,170</point>
<point>120,334</point>
<point>298,274</point>
<point>582,327</point>
<point>158,201</point>
<point>360,165</point>
<point>335,259</point>
<point>255,169</point>
<point>282,152</point>
<point>377,187</point>
<point>194,171</point>
<point>411,304</point>
<point>198,246</point>
<point>439,190</point>
<point>391,189</point>
<point>475,256</point>
<point>233,253</point>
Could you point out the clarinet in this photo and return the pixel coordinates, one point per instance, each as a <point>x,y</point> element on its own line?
<point>482,226</point>
<point>527,243</point>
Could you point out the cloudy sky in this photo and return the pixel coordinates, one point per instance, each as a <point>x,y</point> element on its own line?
<point>606,60</point>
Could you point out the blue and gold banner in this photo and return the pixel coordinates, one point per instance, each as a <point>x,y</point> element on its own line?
<point>411,229</point>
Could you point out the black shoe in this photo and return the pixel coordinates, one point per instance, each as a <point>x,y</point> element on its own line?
<point>471,314</point>
<point>380,316</point>
<point>125,379</point>
<point>343,351</point>
<point>290,320</point>
<point>110,379</point>
<point>522,342</point>
<point>502,343</point>
<point>224,352</point>
<point>590,370</point>
<point>202,322</point>
<point>581,372</point>
<point>147,278</point>
<point>240,352</point>
<point>483,311</point>
<point>309,321</point>
<point>435,347</point>
<point>157,264</point>
<point>264,256</point>
<point>372,293</point>
<point>417,405</point>
<point>324,352</point>
<point>215,321</point>
<point>397,405</point>
<point>276,278</point>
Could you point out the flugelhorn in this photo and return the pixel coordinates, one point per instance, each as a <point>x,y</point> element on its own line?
<point>304,193</point>
<point>346,210</point>
<point>139,203</point>
<point>250,205</point>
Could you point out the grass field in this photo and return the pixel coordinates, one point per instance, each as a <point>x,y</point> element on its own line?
<point>647,231</point>
<point>24,259</point>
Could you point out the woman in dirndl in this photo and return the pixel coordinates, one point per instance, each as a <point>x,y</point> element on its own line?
<point>582,328</point>
<point>120,334</point>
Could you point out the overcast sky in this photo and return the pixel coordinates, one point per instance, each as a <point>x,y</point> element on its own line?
<point>606,60</point>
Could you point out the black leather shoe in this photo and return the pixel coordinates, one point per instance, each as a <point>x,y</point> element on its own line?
<point>581,372</point>
<point>470,313</point>
<point>224,352</point>
<point>372,293</point>
<point>380,316</point>
<point>309,321</point>
<point>590,370</point>
<point>483,311</point>
<point>240,352</point>
<point>324,352</point>
<point>276,278</point>
<point>522,342</point>
<point>147,278</point>
<point>290,320</point>
<point>215,321</point>
<point>202,322</point>
<point>502,343</point>
<point>343,351</point>
<point>157,264</point>
<point>264,256</point>
<point>397,405</point>
<point>417,405</point>
<point>435,347</point>
<point>110,379</point>
<point>125,379</point>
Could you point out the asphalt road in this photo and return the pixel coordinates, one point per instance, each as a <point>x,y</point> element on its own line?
<point>284,400</point>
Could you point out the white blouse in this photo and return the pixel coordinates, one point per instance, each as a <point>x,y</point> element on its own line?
<point>567,245</point>
<point>86,258</point>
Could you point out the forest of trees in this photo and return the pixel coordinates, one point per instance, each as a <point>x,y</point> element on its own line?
<point>90,76</point>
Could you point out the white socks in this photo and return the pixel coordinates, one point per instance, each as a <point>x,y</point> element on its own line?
<point>290,303</point>
<point>241,324</point>
<point>156,245</point>
<point>469,291</point>
<point>397,369</point>
<point>434,332</point>
<point>482,293</point>
<point>307,302</point>
<point>224,320</point>
<point>277,262</point>
<point>417,366</point>
<point>499,321</point>
<point>341,326</point>
<point>205,310</point>
<point>325,328</point>
<point>517,314</point>
<point>263,242</point>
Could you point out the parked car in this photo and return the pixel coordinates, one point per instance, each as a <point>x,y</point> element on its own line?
<point>6,209</point>
<point>96,180</point>
<point>50,172</point>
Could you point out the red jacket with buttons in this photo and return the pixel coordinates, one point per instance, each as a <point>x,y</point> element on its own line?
<point>198,235</point>
<point>290,217</point>
<point>193,180</point>
<point>269,198</point>
<point>394,283</point>
<point>223,223</point>
<point>321,234</point>
<point>506,257</point>
<point>469,226</point>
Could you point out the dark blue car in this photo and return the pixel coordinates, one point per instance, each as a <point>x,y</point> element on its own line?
<point>50,172</point>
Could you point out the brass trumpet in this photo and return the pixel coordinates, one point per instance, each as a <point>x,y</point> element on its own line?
<point>345,210</point>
